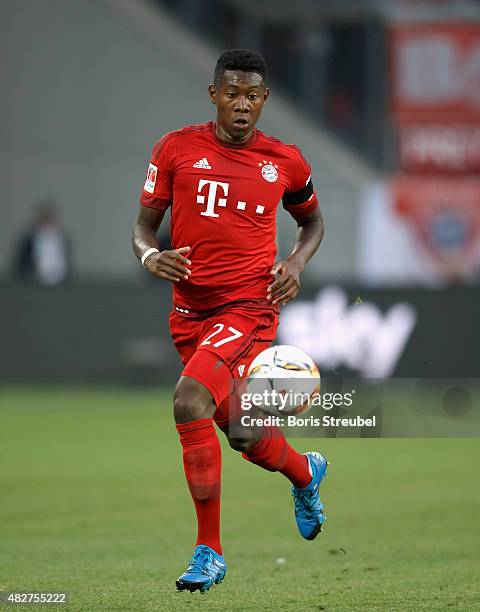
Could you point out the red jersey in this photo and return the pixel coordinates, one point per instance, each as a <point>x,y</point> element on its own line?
<point>224,200</point>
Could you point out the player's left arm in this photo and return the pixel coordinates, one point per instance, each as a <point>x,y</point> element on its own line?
<point>300,200</point>
<point>287,272</point>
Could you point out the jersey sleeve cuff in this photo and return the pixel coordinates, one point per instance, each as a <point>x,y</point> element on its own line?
<point>298,211</point>
<point>154,202</point>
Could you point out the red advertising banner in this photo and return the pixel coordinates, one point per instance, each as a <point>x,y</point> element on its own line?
<point>444,214</point>
<point>438,148</point>
<point>435,72</point>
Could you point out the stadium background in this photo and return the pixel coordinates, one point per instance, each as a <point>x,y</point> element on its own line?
<point>384,100</point>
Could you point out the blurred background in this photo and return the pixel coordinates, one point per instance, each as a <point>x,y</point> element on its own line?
<point>382,97</point>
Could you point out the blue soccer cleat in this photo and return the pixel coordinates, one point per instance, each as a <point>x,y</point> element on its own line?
<point>206,569</point>
<point>308,508</point>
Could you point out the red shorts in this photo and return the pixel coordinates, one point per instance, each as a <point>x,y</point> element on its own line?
<point>218,347</point>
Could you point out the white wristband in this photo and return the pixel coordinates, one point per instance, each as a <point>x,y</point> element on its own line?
<point>147,253</point>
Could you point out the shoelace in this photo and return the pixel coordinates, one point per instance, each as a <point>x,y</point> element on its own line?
<point>306,503</point>
<point>201,562</point>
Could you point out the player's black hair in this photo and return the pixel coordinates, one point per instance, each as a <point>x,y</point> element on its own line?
<point>240,59</point>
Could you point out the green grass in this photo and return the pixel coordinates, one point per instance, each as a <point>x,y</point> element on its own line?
<point>94,502</point>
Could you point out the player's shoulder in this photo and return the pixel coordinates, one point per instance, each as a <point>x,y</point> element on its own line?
<point>192,130</point>
<point>290,159</point>
<point>183,133</point>
<point>288,150</point>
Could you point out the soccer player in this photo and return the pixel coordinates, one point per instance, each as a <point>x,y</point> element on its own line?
<point>223,181</point>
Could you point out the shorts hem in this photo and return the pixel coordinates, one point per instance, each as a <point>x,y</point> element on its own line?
<point>206,383</point>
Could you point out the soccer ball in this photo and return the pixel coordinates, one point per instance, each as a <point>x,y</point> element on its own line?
<point>286,378</point>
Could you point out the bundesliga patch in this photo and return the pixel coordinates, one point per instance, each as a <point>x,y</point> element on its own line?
<point>269,171</point>
<point>151,178</point>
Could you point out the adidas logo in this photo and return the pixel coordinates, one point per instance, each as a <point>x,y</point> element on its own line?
<point>203,163</point>
<point>241,369</point>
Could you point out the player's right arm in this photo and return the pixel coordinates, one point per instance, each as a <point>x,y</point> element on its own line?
<point>170,264</point>
<point>155,198</point>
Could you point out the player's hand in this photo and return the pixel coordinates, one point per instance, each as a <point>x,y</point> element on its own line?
<point>170,265</point>
<point>287,282</point>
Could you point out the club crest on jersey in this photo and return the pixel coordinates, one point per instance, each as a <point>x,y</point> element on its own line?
<point>151,178</point>
<point>269,170</point>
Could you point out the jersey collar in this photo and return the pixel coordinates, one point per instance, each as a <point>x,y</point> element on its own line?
<point>244,145</point>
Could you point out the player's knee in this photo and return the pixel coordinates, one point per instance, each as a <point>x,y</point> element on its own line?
<point>245,442</point>
<point>240,444</point>
<point>191,401</point>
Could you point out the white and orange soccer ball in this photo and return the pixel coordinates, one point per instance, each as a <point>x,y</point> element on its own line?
<point>287,379</point>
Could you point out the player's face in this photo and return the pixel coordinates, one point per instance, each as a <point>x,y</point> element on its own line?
<point>239,97</point>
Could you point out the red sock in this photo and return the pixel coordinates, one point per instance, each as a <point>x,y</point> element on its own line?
<point>202,462</point>
<point>273,453</point>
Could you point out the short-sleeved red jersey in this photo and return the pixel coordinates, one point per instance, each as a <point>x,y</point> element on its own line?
<point>224,200</point>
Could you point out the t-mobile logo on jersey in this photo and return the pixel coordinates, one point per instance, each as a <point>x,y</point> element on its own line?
<point>221,201</point>
<point>212,197</point>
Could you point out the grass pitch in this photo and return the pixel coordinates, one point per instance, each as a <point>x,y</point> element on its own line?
<point>94,502</point>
